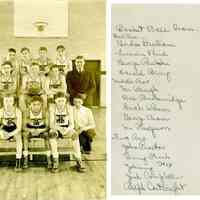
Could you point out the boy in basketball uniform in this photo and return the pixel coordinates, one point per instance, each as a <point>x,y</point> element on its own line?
<point>25,61</point>
<point>55,83</point>
<point>43,61</point>
<point>8,79</point>
<point>62,125</point>
<point>62,61</point>
<point>12,57</point>
<point>32,84</point>
<point>35,125</point>
<point>11,126</point>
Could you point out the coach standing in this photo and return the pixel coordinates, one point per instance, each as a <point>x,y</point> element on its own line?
<point>80,82</point>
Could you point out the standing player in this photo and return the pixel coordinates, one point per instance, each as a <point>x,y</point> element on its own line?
<point>32,84</point>
<point>11,57</point>
<point>25,61</point>
<point>8,79</point>
<point>43,61</point>
<point>62,61</point>
<point>55,83</point>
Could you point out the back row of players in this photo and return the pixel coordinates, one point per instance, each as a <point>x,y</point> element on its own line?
<point>41,99</point>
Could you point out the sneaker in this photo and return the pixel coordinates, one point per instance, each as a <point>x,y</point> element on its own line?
<point>49,162</point>
<point>55,165</point>
<point>87,152</point>
<point>18,167</point>
<point>82,150</point>
<point>25,164</point>
<point>80,167</point>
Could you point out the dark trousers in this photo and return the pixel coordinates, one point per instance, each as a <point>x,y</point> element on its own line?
<point>86,138</point>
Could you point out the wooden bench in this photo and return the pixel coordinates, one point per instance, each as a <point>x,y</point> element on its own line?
<point>37,147</point>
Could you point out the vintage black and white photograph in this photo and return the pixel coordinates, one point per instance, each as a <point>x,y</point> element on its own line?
<point>52,100</point>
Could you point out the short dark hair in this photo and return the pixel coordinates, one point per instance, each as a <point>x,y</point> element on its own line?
<point>60,47</point>
<point>78,96</point>
<point>59,95</point>
<point>24,49</point>
<point>54,66</point>
<point>79,57</point>
<point>34,63</point>
<point>36,98</point>
<point>7,63</point>
<point>42,49</point>
<point>12,50</point>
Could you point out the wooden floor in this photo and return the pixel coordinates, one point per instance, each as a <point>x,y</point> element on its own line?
<point>38,184</point>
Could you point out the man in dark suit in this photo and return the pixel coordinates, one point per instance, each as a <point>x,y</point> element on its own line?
<point>80,82</point>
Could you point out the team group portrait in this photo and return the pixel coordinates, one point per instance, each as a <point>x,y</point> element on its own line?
<point>52,100</point>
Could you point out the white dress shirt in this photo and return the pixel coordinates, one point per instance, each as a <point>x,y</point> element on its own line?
<point>83,118</point>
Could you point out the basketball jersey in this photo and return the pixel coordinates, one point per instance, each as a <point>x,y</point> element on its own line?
<point>36,120</point>
<point>55,84</point>
<point>44,64</point>
<point>8,83</point>
<point>9,119</point>
<point>62,118</point>
<point>63,64</point>
<point>24,66</point>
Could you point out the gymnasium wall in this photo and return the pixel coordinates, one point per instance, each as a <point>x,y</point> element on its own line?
<point>86,33</point>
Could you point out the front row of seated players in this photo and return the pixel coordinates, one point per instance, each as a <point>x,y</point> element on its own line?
<point>61,120</point>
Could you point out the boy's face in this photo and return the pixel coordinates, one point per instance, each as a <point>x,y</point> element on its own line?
<point>6,69</point>
<point>42,53</point>
<point>11,55</point>
<point>55,71</point>
<point>36,106</point>
<point>79,64</point>
<point>26,54</point>
<point>8,102</point>
<point>60,51</point>
<point>78,102</point>
<point>61,101</point>
<point>34,69</point>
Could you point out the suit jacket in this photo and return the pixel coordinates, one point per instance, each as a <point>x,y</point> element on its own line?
<point>80,82</point>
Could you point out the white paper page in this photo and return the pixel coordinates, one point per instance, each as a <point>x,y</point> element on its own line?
<point>155,99</point>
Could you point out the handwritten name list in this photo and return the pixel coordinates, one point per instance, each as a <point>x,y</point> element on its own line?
<point>145,104</point>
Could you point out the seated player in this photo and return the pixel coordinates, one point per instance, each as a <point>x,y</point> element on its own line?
<point>62,61</point>
<point>8,79</point>
<point>25,61</point>
<point>43,61</point>
<point>84,124</point>
<point>55,83</point>
<point>11,126</point>
<point>32,84</point>
<point>62,125</point>
<point>35,125</point>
